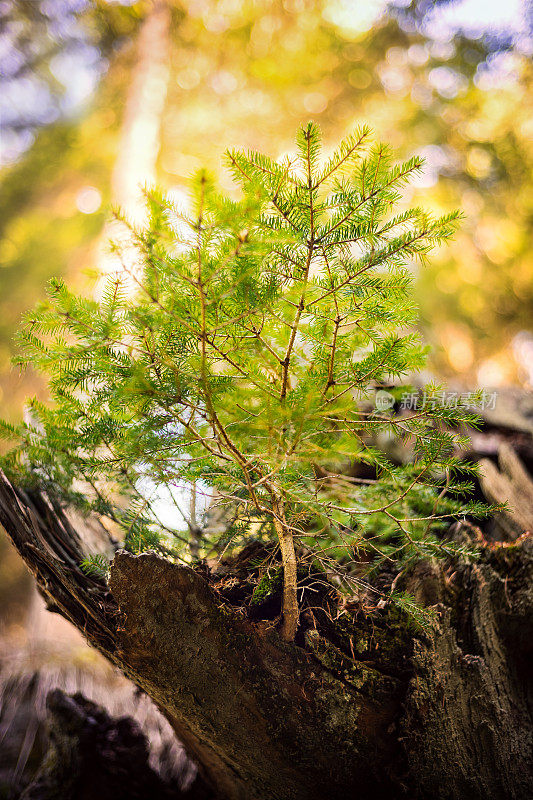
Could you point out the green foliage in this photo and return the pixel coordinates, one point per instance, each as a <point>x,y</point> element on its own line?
<point>419,619</point>
<point>245,362</point>
<point>96,565</point>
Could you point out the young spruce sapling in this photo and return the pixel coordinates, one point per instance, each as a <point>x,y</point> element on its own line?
<point>244,365</point>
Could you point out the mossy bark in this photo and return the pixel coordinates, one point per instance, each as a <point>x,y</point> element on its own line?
<point>360,708</point>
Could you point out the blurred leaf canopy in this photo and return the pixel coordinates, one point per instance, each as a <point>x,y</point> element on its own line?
<point>245,74</point>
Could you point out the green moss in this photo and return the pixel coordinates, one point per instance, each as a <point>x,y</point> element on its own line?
<point>356,674</point>
<point>270,584</point>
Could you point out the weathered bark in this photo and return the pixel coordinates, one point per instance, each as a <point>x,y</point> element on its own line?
<point>468,719</point>
<point>358,708</point>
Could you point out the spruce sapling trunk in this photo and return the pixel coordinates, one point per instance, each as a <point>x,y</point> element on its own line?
<point>290,573</point>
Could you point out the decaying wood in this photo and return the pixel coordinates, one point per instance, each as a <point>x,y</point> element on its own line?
<point>27,723</point>
<point>469,708</point>
<point>512,485</point>
<point>360,707</point>
<point>91,755</point>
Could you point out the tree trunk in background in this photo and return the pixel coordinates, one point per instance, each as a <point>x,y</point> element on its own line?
<point>135,167</point>
<point>139,142</point>
<point>359,708</point>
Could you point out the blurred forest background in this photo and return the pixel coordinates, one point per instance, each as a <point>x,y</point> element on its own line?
<point>102,96</point>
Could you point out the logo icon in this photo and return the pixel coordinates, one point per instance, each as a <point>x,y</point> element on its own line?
<point>384,400</point>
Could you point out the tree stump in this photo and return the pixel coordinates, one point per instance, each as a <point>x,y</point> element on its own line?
<point>360,707</point>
